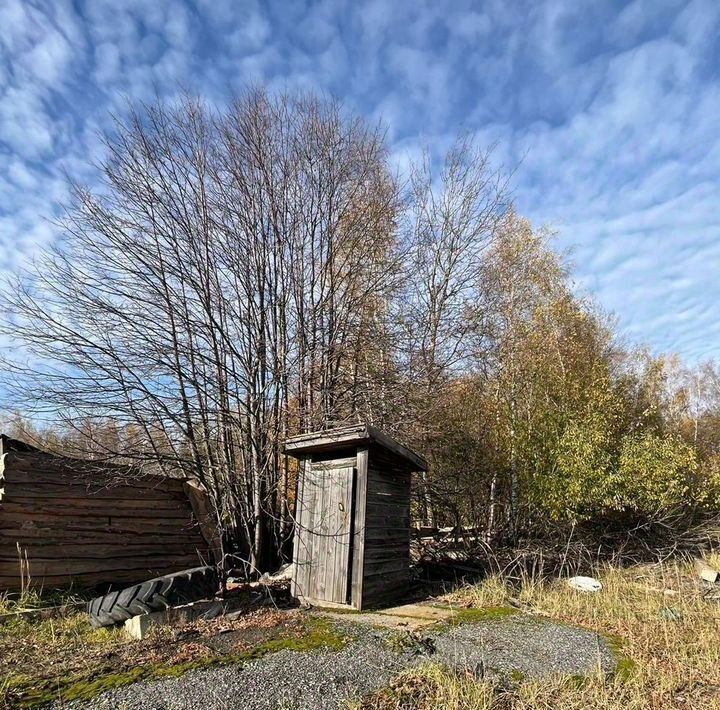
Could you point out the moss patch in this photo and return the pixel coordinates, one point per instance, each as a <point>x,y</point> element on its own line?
<point>342,610</point>
<point>28,692</point>
<point>319,634</point>
<point>624,665</point>
<point>87,686</point>
<point>476,614</point>
<point>409,642</point>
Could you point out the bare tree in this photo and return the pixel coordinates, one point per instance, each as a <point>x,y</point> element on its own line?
<point>239,276</point>
<point>212,293</point>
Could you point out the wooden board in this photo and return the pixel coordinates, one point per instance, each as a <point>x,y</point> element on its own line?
<point>331,532</point>
<point>301,551</point>
<point>75,491</point>
<point>359,530</point>
<point>323,533</point>
<point>359,435</point>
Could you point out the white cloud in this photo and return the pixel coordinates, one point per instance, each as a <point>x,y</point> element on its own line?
<point>610,116</point>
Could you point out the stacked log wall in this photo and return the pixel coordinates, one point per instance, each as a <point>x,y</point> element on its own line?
<point>79,526</point>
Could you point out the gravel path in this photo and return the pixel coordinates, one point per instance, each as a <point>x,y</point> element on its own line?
<point>287,679</point>
<point>525,644</point>
<point>325,680</point>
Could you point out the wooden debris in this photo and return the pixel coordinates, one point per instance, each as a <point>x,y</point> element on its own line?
<point>705,572</point>
<point>656,590</point>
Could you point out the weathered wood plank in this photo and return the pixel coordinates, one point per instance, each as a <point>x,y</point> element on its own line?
<point>57,518</point>
<point>323,440</point>
<point>345,462</point>
<point>118,578</point>
<point>385,567</point>
<point>384,485</point>
<point>387,528</point>
<point>302,547</point>
<point>344,524</point>
<point>384,589</point>
<point>203,512</point>
<point>358,552</point>
<point>394,550</point>
<point>79,490</point>
<point>414,460</point>
<point>83,581</point>
<point>107,524</point>
<point>141,569</point>
<point>63,535</point>
<point>386,521</point>
<point>355,435</point>
<point>53,568</point>
<point>333,530</point>
<point>27,473</point>
<point>317,533</point>
<point>93,550</point>
<point>92,505</point>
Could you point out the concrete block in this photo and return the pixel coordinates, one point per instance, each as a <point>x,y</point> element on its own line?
<point>399,623</point>
<point>139,626</point>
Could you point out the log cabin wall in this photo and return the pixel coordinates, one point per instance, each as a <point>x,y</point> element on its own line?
<point>79,527</point>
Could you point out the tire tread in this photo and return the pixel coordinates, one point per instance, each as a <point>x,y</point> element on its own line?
<point>153,595</point>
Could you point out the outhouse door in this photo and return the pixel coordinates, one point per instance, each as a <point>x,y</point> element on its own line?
<point>327,529</point>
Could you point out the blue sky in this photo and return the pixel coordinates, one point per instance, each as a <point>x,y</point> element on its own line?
<point>609,112</point>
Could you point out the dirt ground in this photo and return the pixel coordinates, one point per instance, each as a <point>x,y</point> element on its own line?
<point>65,657</point>
<point>660,621</point>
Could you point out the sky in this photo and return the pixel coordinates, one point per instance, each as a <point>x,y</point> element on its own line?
<point>608,114</point>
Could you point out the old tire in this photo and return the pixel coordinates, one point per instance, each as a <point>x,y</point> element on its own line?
<point>154,595</point>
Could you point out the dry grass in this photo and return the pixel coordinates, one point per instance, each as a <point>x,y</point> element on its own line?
<point>670,653</point>
<point>670,633</point>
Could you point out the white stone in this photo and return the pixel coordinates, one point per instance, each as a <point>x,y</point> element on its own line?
<point>706,572</point>
<point>284,573</point>
<point>585,584</point>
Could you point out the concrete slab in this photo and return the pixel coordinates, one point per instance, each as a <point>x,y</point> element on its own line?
<point>419,611</point>
<point>401,623</point>
<point>138,627</point>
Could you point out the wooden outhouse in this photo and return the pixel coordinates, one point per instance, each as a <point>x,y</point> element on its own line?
<point>352,519</point>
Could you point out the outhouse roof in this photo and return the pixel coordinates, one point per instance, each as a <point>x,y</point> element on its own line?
<point>331,439</point>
